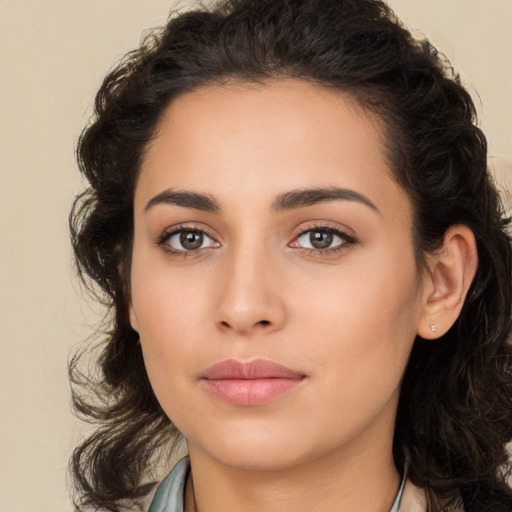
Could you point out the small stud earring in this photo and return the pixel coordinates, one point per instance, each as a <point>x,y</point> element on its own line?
<point>433,327</point>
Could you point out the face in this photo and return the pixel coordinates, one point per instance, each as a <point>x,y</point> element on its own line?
<point>273,279</point>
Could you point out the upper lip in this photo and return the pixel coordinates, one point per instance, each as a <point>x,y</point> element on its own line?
<point>249,370</point>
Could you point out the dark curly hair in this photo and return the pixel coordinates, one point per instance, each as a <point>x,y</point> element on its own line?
<point>455,412</point>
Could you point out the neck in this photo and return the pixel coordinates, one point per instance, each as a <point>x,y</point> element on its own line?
<point>363,477</point>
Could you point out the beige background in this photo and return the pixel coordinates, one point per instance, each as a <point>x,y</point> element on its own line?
<point>53,55</point>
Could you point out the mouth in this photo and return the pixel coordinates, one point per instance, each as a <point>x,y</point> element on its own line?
<point>250,383</point>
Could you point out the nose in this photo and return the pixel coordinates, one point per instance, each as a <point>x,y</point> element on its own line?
<point>251,296</point>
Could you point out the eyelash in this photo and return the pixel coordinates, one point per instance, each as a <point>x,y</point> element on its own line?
<point>347,240</point>
<point>166,236</point>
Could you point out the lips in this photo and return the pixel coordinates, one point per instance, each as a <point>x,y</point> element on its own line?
<point>250,383</point>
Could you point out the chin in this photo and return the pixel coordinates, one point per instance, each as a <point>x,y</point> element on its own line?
<point>257,448</point>
<point>245,444</point>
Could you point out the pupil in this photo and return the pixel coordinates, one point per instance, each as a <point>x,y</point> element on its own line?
<point>320,239</point>
<point>191,240</point>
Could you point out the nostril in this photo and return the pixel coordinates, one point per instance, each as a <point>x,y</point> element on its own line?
<point>242,327</point>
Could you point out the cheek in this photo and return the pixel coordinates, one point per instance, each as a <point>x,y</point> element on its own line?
<point>363,324</point>
<point>162,295</point>
<point>163,319</point>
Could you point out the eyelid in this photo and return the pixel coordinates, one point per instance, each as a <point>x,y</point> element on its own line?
<point>343,232</point>
<point>324,226</point>
<point>346,234</point>
<point>178,228</point>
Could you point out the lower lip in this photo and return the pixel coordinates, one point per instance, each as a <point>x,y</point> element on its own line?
<point>250,392</point>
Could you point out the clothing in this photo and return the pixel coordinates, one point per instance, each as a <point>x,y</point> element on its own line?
<point>170,493</point>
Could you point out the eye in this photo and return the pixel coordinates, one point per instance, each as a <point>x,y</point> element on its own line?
<point>183,240</point>
<point>323,239</point>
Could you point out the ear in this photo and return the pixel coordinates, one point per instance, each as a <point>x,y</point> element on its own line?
<point>451,271</point>
<point>124,275</point>
<point>133,316</point>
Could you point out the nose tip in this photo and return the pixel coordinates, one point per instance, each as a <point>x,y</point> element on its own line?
<point>249,300</point>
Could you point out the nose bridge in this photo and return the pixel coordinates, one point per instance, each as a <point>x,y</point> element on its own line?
<point>249,299</point>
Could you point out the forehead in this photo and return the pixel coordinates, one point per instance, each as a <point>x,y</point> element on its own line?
<point>248,140</point>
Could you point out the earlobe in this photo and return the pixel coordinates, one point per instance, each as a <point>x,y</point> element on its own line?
<point>452,270</point>
<point>123,268</point>
<point>133,316</point>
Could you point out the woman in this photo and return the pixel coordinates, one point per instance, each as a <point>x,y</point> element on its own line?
<point>291,220</point>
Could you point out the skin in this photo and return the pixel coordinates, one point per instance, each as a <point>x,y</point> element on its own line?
<point>345,317</point>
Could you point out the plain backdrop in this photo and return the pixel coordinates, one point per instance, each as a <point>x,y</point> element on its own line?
<point>53,55</point>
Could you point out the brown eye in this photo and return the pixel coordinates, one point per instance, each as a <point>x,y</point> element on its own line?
<point>323,239</point>
<point>191,240</point>
<point>186,240</point>
<point>320,239</point>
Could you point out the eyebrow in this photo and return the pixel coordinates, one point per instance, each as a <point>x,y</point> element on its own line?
<point>287,201</point>
<point>186,199</point>
<point>308,197</point>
